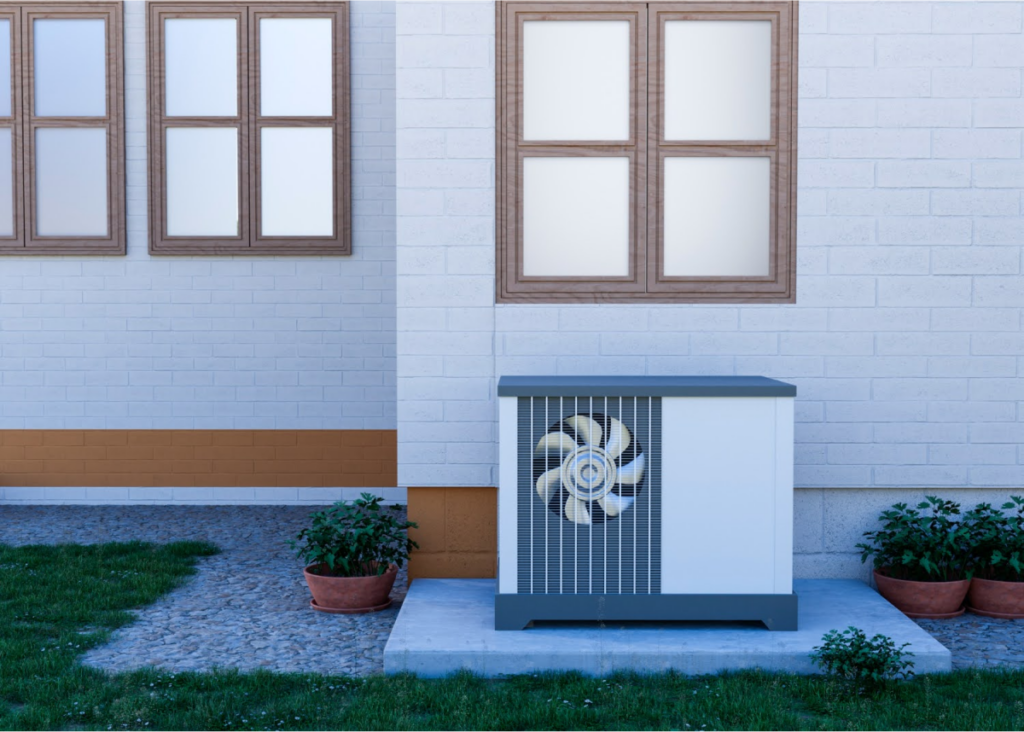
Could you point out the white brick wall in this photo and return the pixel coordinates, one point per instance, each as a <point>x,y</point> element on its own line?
<point>216,342</point>
<point>906,340</point>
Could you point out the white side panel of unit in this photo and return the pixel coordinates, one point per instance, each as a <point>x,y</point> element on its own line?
<point>718,495</point>
<point>784,495</point>
<point>508,456</point>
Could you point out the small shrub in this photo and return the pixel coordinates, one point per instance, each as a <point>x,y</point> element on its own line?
<point>866,663</point>
<point>997,540</point>
<point>927,544</point>
<point>355,539</point>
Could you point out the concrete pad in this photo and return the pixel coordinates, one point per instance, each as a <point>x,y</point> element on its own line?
<point>448,624</point>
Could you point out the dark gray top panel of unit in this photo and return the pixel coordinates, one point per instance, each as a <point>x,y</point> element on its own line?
<point>644,386</point>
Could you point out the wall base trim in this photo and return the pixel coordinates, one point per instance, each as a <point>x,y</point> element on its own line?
<point>56,463</point>
<point>189,496</point>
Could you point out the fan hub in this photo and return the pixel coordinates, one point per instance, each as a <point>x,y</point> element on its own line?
<point>588,473</point>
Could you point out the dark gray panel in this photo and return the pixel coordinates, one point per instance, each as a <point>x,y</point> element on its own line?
<point>644,386</point>
<point>611,554</point>
<point>515,612</point>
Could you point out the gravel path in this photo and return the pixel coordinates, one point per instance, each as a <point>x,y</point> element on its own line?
<point>979,642</point>
<point>246,608</point>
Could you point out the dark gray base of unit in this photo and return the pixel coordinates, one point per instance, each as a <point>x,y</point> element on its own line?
<point>515,612</point>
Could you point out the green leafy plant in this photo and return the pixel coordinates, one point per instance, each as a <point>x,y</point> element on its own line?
<point>997,540</point>
<point>357,539</point>
<point>926,544</point>
<point>867,663</point>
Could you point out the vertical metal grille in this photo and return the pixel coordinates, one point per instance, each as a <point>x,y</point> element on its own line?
<point>609,543</point>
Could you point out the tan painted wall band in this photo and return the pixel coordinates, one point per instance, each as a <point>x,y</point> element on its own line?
<point>201,458</point>
<point>457,534</point>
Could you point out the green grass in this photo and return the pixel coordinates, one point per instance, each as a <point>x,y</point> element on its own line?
<point>56,602</point>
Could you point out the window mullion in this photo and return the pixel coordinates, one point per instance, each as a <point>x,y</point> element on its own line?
<point>248,119</point>
<point>18,164</point>
<point>25,127</point>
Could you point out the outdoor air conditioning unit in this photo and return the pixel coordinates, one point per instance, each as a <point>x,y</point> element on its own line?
<point>647,498</point>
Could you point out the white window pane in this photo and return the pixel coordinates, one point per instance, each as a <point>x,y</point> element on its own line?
<point>718,79</point>
<point>6,183</point>
<point>297,181</point>
<point>70,65</point>
<point>576,80</point>
<point>202,181</point>
<point>5,68</point>
<point>71,181</point>
<point>201,67</point>
<point>717,217</point>
<point>296,59</point>
<point>575,217</point>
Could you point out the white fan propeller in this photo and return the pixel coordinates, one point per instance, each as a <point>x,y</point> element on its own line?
<point>589,468</point>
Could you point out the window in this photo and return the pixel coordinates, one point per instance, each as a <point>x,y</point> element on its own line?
<point>61,129</point>
<point>249,128</point>
<point>646,152</point>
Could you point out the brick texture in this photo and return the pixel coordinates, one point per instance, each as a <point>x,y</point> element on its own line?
<point>905,341</point>
<point>197,458</point>
<point>457,534</point>
<point>141,342</point>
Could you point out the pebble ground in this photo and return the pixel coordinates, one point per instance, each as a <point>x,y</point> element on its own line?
<point>248,607</point>
<point>979,642</point>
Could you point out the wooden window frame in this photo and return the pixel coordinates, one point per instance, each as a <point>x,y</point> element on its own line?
<point>24,123</point>
<point>646,282</point>
<point>249,122</point>
<point>516,148</point>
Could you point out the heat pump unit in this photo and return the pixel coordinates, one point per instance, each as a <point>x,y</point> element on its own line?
<point>649,498</point>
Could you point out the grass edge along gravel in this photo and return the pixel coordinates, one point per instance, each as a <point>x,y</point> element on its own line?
<point>56,602</point>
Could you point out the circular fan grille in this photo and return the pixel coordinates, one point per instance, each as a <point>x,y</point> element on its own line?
<point>588,468</point>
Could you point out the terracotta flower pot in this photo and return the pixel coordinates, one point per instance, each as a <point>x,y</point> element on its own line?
<point>350,595</point>
<point>924,599</point>
<point>996,599</point>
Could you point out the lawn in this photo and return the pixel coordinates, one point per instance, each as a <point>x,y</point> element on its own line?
<point>57,602</point>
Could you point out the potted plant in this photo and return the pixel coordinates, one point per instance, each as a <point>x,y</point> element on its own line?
<point>921,558</point>
<point>353,552</point>
<point>997,539</point>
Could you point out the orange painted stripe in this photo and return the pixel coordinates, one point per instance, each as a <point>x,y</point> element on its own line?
<point>200,458</point>
<point>457,534</point>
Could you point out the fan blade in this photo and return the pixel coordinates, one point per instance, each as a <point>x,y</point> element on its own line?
<point>576,511</point>
<point>631,474</point>
<point>557,442</point>
<point>618,439</point>
<point>586,428</point>
<point>613,505</point>
<point>548,483</point>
